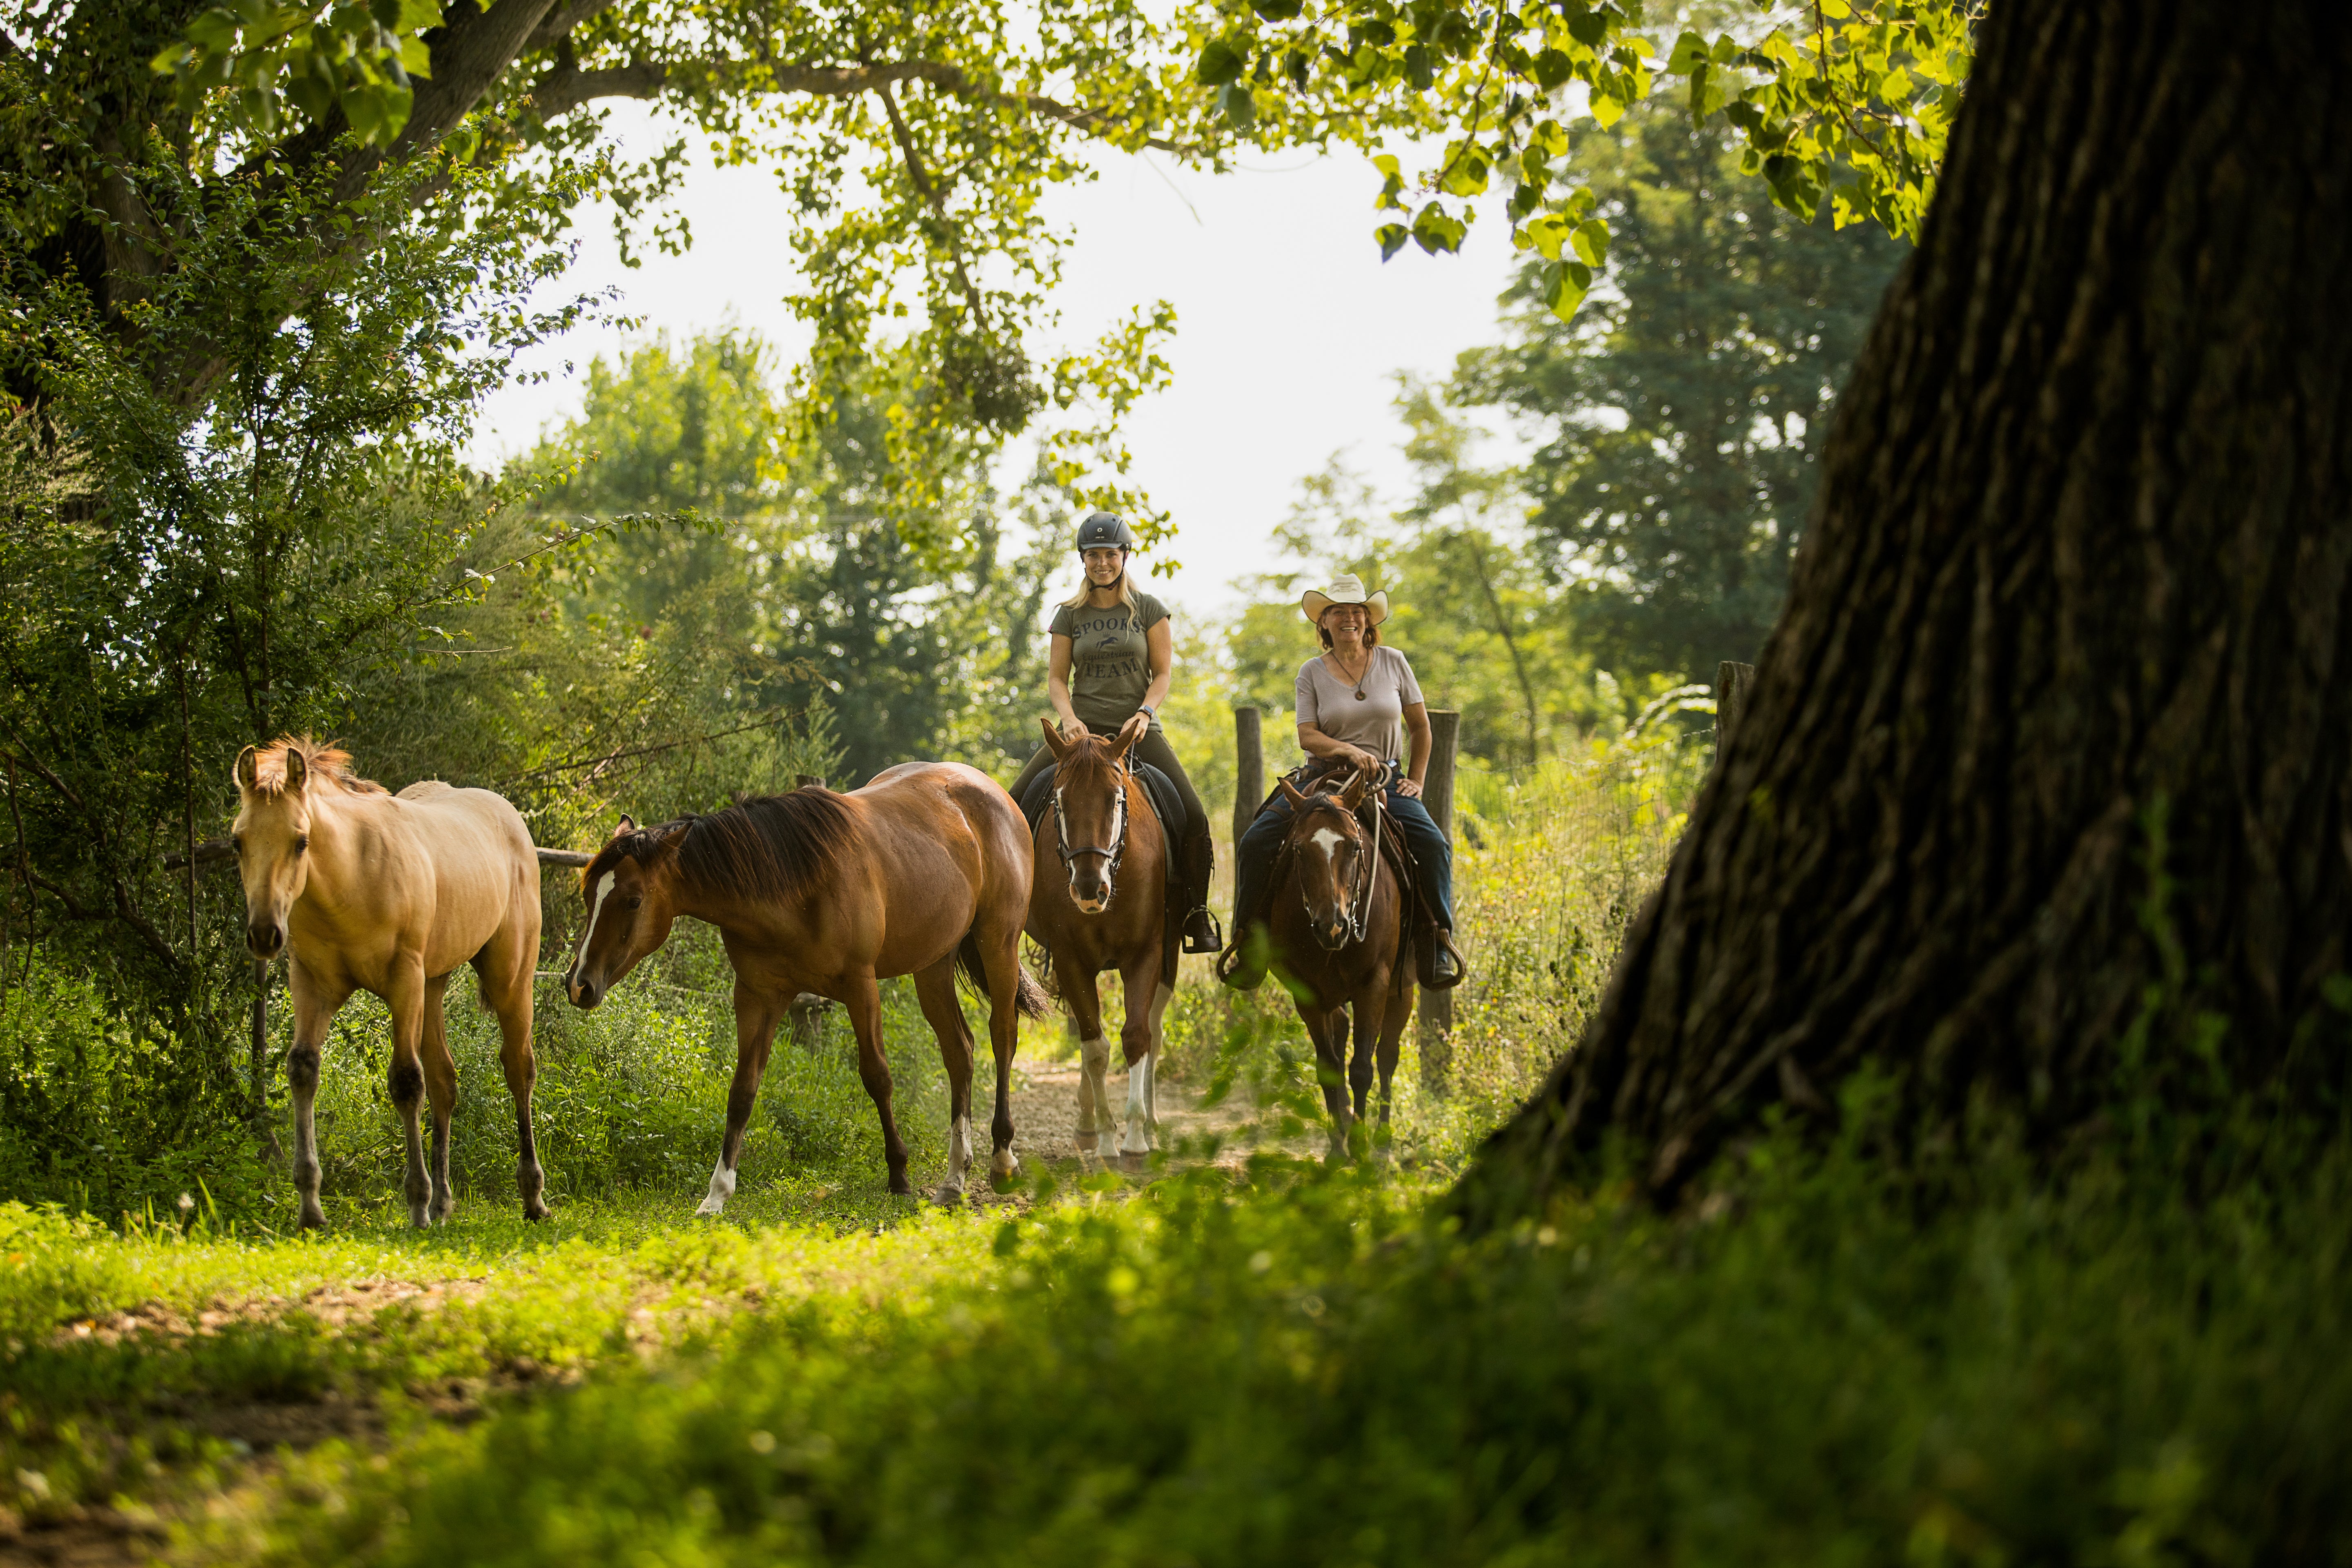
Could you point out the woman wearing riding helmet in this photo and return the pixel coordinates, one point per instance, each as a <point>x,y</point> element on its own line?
<point>1113,655</point>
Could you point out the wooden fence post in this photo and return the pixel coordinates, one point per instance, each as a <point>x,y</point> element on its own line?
<point>1437,795</point>
<point>1249,770</point>
<point>1731,683</point>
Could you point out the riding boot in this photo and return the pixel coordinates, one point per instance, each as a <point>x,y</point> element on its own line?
<point>1440,965</point>
<point>1201,932</point>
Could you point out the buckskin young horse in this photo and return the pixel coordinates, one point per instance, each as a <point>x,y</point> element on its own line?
<point>366,891</point>
<point>922,871</point>
<point>1335,920</point>
<point>1101,841</point>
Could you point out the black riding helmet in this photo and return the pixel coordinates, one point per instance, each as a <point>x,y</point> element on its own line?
<point>1105,530</point>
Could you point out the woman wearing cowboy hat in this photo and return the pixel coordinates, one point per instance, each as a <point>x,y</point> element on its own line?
<point>1358,702</point>
<point>1108,671</point>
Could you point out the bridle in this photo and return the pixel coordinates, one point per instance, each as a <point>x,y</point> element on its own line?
<point>1358,911</point>
<point>1111,855</point>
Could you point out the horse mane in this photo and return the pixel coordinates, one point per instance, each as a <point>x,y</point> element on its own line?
<point>325,759</point>
<point>1090,751</point>
<point>767,848</point>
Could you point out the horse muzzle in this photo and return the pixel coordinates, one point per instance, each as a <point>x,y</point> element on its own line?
<point>1331,934</point>
<point>265,938</point>
<point>584,993</point>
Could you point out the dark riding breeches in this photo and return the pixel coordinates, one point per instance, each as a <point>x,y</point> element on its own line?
<point>1196,852</point>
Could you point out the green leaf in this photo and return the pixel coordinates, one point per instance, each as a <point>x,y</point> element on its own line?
<point>1552,68</point>
<point>1588,29</point>
<point>1548,234</point>
<point>1420,68</point>
<point>1436,230</point>
<point>414,58</point>
<point>1689,54</point>
<point>1277,10</point>
<point>1391,237</point>
<point>1220,64</point>
<point>1565,285</point>
<point>1239,107</point>
<point>1591,238</point>
<point>1606,110</point>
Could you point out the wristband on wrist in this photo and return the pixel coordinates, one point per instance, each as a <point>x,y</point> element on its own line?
<point>1148,711</point>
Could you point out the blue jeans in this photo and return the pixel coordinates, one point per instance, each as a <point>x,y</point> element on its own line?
<point>1432,856</point>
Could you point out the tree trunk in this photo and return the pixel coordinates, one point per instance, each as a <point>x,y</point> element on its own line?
<point>2049,750</point>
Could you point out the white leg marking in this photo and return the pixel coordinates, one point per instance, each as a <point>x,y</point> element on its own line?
<point>959,1160</point>
<point>722,1187</point>
<point>1138,1138</point>
<point>1094,1097</point>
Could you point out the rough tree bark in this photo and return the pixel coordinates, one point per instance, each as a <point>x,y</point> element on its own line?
<point>2064,676</point>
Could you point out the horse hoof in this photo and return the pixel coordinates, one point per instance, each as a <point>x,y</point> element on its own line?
<point>534,1211</point>
<point>313,1217</point>
<point>901,1186</point>
<point>710,1207</point>
<point>1002,1169</point>
<point>1088,1142</point>
<point>949,1197</point>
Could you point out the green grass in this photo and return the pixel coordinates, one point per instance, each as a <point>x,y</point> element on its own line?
<point>1300,1366</point>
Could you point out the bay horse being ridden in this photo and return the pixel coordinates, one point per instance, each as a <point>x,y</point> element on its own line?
<point>1337,930</point>
<point>922,871</point>
<point>1099,901</point>
<point>366,891</point>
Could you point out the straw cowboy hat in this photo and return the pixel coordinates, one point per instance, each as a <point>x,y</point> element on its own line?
<point>1345,591</point>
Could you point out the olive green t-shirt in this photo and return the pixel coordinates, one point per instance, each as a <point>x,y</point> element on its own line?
<point>1110,667</point>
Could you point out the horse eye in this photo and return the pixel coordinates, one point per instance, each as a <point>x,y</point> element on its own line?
<point>635,900</point>
<point>301,843</point>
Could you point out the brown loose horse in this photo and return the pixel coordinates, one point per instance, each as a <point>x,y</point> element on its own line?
<point>1335,920</point>
<point>365,890</point>
<point>921,871</point>
<point>1097,901</point>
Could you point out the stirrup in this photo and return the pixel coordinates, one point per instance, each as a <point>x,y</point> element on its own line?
<point>1202,932</point>
<point>1427,967</point>
<point>1232,968</point>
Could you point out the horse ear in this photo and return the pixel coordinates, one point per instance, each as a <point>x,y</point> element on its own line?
<point>298,772</point>
<point>1054,742</point>
<point>1118,753</point>
<point>627,826</point>
<point>1290,793</point>
<point>248,768</point>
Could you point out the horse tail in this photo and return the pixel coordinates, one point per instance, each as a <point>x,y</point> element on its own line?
<point>1029,998</point>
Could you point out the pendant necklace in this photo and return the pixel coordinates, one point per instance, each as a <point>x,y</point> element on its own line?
<point>1359,679</point>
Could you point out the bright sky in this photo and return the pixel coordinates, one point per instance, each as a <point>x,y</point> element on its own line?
<point>1290,330</point>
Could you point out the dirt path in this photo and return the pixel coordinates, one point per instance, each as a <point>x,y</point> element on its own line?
<point>1046,1118</point>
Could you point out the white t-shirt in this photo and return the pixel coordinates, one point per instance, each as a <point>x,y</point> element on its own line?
<point>1376,721</point>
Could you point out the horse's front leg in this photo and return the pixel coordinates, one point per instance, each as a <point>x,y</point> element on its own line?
<point>1138,1038</point>
<point>406,1078</point>
<point>1370,1010</point>
<point>935,990</point>
<point>757,1012</point>
<point>1327,1028</point>
<point>1082,994</point>
<point>440,1092</point>
<point>315,1005</point>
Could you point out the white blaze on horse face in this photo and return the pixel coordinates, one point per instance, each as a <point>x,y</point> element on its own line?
<point>722,1187</point>
<point>604,890</point>
<point>1328,840</point>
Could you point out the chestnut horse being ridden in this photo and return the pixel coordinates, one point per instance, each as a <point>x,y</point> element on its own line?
<point>922,869</point>
<point>365,890</point>
<point>1099,901</point>
<point>1338,941</point>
